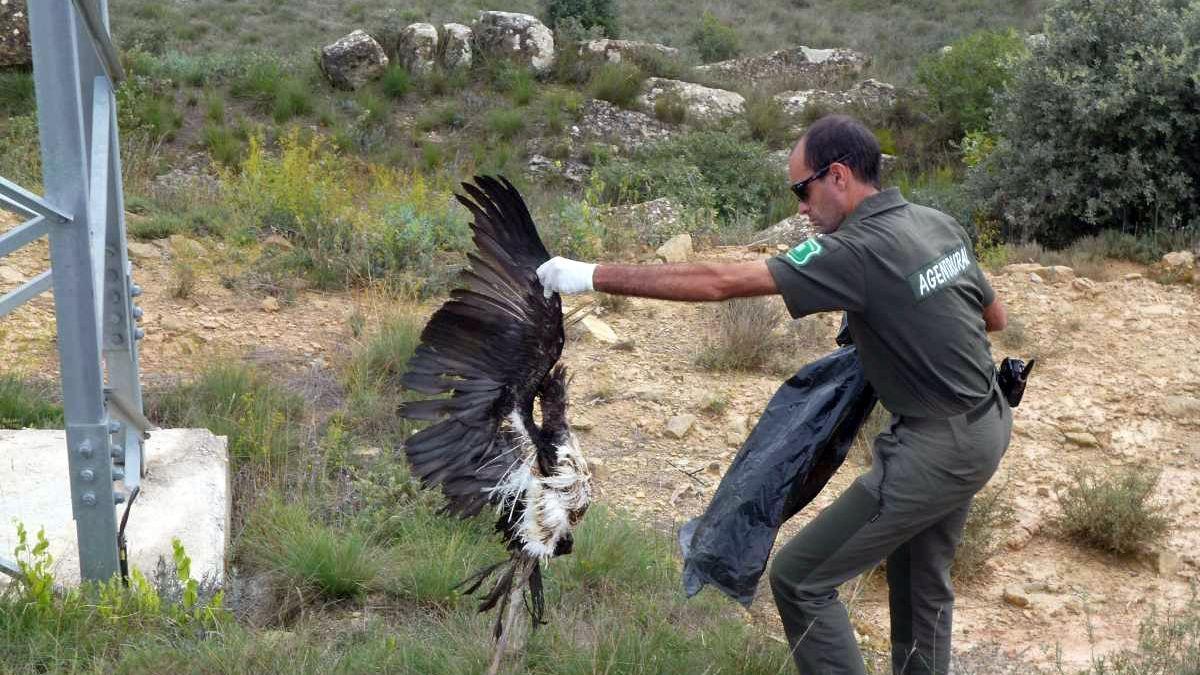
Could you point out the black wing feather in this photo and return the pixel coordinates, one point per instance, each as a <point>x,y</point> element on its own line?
<point>489,347</point>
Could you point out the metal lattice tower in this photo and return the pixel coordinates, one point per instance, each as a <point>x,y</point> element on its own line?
<point>75,70</point>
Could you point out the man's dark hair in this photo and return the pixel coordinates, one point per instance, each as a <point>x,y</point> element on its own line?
<point>842,138</point>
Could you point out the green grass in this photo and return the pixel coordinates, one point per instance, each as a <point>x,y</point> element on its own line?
<point>506,123</point>
<point>372,378</point>
<point>16,93</point>
<point>27,404</point>
<point>396,82</point>
<point>283,538</point>
<point>259,417</point>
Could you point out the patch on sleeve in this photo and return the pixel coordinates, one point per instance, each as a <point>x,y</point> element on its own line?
<point>939,273</point>
<point>806,251</point>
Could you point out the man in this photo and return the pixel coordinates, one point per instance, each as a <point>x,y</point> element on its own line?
<point>918,308</point>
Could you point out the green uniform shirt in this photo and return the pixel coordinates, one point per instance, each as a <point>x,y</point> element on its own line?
<point>914,296</point>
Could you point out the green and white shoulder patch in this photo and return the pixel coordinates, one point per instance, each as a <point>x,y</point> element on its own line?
<point>805,251</point>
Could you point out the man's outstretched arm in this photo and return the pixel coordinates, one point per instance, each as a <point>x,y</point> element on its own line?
<point>694,282</point>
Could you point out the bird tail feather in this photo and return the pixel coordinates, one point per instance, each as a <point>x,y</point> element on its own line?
<point>512,574</point>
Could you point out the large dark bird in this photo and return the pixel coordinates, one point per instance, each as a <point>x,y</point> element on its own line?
<point>493,347</point>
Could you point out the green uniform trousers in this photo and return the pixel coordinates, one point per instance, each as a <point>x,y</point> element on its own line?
<point>910,508</point>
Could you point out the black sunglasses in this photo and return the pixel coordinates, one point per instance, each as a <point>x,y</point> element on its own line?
<point>800,187</point>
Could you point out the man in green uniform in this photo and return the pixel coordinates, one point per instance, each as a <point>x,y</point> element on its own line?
<point>918,308</point>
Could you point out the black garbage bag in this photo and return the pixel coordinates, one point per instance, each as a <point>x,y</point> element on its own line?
<point>799,442</point>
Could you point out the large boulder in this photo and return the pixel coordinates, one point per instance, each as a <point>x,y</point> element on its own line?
<point>456,46</point>
<point>603,122</point>
<point>801,67</point>
<point>353,60</point>
<point>417,48</point>
<point>614,51</point>
<point>787,232</point>
<point>520,38</point>
<point>14,34</point>
<point>704,104</point>
<point>868,93</point>
<point>654,222</point>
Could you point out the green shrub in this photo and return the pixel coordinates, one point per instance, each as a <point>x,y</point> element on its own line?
<point>1097,129</point>
<point>670,108</point>
<point>617,83</point>
<point>746,335</point>
<point>293,98</point>
<point>587,14</point>
<point>516,81</point>
<point>448,115</point>
<point>214,108</point>
<point>396,81</point>
<point>505,122</point>
<point>147,108</point>
<point>963,81</point>
<point>1114,512</point>
<point>991,513</point>
<point>768,122</point>
<point>223,144</point>
<point>16,93</point>
<point>706,169</point>
<point>27,404</point>
<point>715,40</point>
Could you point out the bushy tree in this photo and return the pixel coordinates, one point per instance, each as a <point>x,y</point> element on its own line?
<point>963,80</point>
<point>715,40</point>
<point>585,14</point>
<point>1099,128</point>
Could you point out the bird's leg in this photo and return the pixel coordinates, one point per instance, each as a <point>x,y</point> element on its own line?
<point>513,630</point>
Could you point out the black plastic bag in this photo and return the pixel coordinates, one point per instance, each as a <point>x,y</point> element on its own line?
<point>799,442</point>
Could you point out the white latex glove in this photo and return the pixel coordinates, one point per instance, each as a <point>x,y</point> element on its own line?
<point>562,275</point>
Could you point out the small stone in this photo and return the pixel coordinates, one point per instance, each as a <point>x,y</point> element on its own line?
<point>1019,268</point>
<point>679,425</point>
<point>1034,278</point>
<point>209,324</point>
<point>1179,260</point>
<point>1043,491</point>
<point>278,241</point>
<point>1132,276</point>
<point>141,251</point>
<point>10,275</point>
<point>1082,438</point>
<point>173,324</point>
<point>1016,597</point>
<point>582,424</point>
<point>1084,285</point>
<point>270,304</point>
<point>1166,563</point>
<point>677,249</point>
<point>598,469</point>
<point>600,331</point>
<point>1182,408</point>
<point>714,469</point>
<point>688,490</point>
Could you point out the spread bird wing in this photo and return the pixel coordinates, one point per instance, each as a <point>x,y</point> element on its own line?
<point>488,348</point>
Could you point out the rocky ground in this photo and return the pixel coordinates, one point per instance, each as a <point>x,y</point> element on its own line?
<point>1118,383</point>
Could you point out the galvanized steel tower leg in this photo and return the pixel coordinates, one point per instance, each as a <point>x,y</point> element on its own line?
<point>65,65</point>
